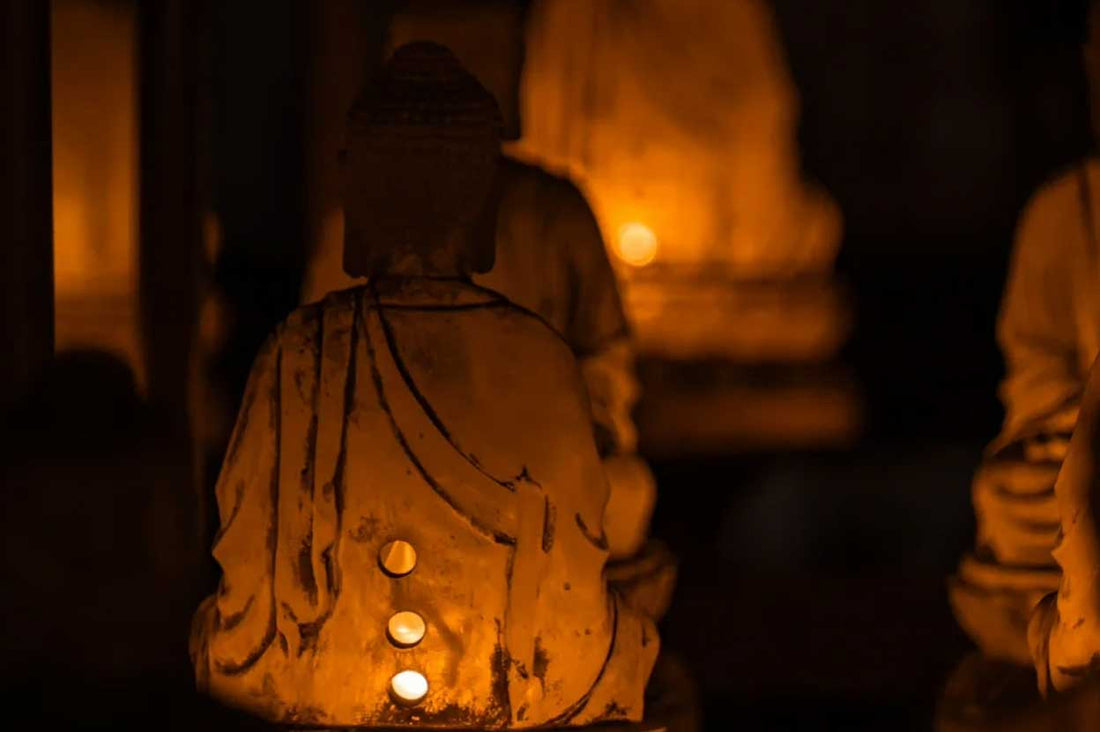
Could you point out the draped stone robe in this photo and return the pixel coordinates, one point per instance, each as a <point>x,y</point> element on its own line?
<point>551,260</point>
<point>1064,629</point>
<point>1049,331</point>
<point>435,412</point>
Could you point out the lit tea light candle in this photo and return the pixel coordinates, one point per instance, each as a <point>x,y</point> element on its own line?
<point>397,558</point>
<point>406,629</point>
<point>409,687</point>
<point>637,244</point>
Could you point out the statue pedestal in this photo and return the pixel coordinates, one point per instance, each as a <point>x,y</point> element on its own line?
<point>692,313</point>
<point>729,365</point>
<point>986,696</point>
<point>699,408</point>
<point>106,322</point>
<point>671,706</point>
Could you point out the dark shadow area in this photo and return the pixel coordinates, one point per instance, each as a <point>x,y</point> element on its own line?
<point>100,548</point>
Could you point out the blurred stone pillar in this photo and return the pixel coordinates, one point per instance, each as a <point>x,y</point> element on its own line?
<point>169,246</point>
<point>169,214</point>
<point>94,77</point>
<point>26,208</point>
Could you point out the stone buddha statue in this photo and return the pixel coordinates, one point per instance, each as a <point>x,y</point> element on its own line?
<point>412,502</point>
<point>1064,631</point>
<point>1049,333</point>
<point>550,258</point>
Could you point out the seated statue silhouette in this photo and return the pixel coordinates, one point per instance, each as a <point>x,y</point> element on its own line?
<point>412,500</point>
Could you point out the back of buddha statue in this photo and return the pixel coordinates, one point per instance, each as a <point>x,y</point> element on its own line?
<point>438,511</point>
<point>412,503</point>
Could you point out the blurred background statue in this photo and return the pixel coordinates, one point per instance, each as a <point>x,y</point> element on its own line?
<point>710,167</point>
<point>1049,332</point>
<point>678,120</point>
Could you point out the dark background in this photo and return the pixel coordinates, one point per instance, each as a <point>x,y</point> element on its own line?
<point>932,122</point>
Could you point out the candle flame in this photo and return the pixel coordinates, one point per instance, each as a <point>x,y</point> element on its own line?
<point>637,244</point>
<point>406,628</point>
<point>409,686</point>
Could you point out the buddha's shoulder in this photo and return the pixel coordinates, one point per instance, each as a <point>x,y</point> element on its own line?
<point>493,325</point>
<point>488,315</point>
<point>522,177</point>
<point>1063,190</point>
<point>522,350</point>
<point>517,321</point>
<point>306,321</point>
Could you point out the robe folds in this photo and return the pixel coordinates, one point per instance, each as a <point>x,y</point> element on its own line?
<point>437,413</point>
<point>551,260</point>
<point>1049,332</point>
<point>1064,629</point>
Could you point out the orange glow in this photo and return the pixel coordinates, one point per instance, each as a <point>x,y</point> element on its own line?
<point>723,189</point>
<point>409,686</point>
<point>94,87</point>
<point>406,628</point>
<point>636,245</point>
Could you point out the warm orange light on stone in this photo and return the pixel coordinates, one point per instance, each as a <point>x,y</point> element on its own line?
<point>636,245</point>
<point>409,686</point>
<point>406,629</point>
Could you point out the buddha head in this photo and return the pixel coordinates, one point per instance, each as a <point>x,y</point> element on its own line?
<point>487,37</point>
<point>423,146</point>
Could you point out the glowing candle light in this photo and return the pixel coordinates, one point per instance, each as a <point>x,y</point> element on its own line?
<point>406,629</point>
<point>397,558</point>
<point>637,244</point>
<point>409,687</point>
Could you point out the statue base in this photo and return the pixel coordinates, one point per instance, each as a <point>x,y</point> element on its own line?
<point>104,322</point>
<point>985,695</point>
<point>710,407</point>
<point>692,313</point>
<point>671,706</point>
<point>729,364</point>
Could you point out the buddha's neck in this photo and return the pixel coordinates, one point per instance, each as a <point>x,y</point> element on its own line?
<point>432,254</point>
<point>442,266</point>
<point>426,290</point>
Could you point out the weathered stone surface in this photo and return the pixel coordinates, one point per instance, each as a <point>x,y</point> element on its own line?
<point>421,414</point>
